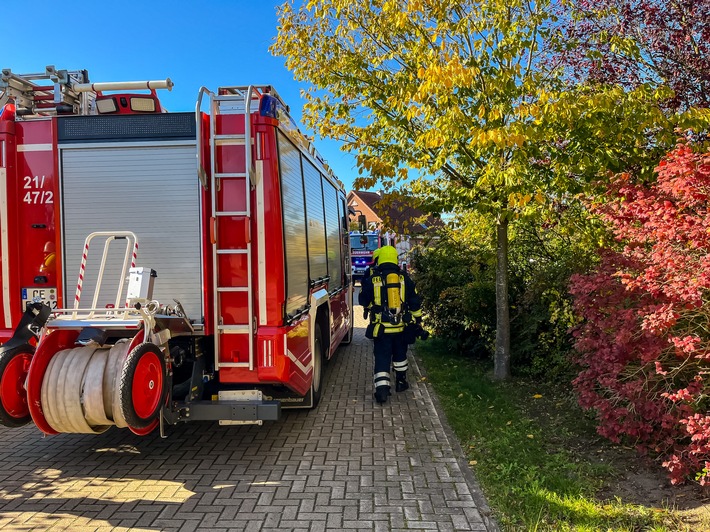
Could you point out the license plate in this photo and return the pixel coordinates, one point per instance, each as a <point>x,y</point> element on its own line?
<point>48,296</point>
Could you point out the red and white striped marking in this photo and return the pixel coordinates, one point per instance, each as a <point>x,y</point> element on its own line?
<point>82,269</point>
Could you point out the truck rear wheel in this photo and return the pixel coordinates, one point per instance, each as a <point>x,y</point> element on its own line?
<point>14,365</point>
<point>143,383</point>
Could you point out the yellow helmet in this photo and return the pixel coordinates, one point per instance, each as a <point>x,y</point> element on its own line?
<point>387,254</point>
<point>376,255</point>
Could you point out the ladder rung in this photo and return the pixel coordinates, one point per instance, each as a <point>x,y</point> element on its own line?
<point>233,175</point>
<point>233,364</point>
<point>232,289</point>
<point>229,97</point>
<point>232,251</point>
<point>232,213</point>
<point>232,140</point>
<point>234,329</point>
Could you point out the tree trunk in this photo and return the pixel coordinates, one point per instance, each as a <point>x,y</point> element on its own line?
<point>501,368</point>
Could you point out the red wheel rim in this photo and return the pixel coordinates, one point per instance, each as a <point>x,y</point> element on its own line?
<point>12,386</point>
<point>147,386</point>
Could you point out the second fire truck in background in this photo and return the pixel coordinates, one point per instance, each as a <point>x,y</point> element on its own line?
<point>362,246</point>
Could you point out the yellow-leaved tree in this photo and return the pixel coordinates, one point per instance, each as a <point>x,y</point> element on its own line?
<point>466,94</point>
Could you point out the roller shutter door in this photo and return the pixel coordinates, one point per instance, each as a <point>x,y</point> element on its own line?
<point>150,190</point>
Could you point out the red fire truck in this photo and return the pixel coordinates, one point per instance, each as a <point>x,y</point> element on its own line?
<point>163,267</point>
<point>362,246</point>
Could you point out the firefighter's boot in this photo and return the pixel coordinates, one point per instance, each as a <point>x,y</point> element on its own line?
<point>401,383</point>
<point>381,394</point>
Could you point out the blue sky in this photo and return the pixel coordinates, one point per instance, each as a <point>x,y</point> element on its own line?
<point>194,43</point>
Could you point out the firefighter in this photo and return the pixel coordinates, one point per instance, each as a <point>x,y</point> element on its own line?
<point>390,297</point>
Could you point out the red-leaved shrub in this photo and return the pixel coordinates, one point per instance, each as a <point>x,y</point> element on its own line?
<point>644,345</point>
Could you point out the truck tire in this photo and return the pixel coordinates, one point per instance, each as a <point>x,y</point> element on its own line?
<point>142,386</point>
<point>14,365</point>
<point>317,382</point>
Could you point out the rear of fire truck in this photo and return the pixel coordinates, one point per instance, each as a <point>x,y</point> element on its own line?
<point>139,287</point>
<point>362,246</point>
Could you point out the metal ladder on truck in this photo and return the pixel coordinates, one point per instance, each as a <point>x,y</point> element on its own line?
<point>231,181</point>
<point>45,93</point>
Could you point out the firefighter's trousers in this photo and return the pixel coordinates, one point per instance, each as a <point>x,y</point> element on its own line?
<point>390,349</point>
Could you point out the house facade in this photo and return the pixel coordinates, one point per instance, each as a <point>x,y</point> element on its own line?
<point>363,203</point>
<point>401,225</point>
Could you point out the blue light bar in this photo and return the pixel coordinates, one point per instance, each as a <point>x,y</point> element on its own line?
<point>270,106</point>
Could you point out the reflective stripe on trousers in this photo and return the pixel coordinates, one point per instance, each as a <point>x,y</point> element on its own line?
<point>401,365</point>
<point>382,379</point>
<point>389,349</point>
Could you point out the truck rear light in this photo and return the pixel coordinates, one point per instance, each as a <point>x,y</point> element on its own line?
<point>7,112</point>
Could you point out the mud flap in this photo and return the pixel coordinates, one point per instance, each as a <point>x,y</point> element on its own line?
<point>191,389</point>
<point>287,398</point>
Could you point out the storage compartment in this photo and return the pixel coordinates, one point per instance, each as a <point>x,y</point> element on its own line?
<point>151,190</point>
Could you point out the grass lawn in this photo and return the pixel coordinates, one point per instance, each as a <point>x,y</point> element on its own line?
<point>535,454</point>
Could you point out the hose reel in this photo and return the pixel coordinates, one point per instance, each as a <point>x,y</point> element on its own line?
<point>87,390</point>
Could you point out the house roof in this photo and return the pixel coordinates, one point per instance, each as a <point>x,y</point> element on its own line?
<point>369,198</point>
<point>396,214</point>
<point>364,202</point>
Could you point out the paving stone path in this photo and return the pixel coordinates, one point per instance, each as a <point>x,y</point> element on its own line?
<point>349,464</point>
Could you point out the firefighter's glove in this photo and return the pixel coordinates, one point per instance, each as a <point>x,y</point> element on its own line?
<point>418,320</point>
<point>365,312</point>
<point>422,333</point>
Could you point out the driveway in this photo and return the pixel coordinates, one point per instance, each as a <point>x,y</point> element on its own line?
<point>349,464</point>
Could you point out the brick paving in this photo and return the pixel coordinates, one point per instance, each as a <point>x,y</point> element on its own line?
<point>350,464</point>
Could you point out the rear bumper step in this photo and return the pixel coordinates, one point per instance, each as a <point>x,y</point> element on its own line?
<point>223,411</point>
